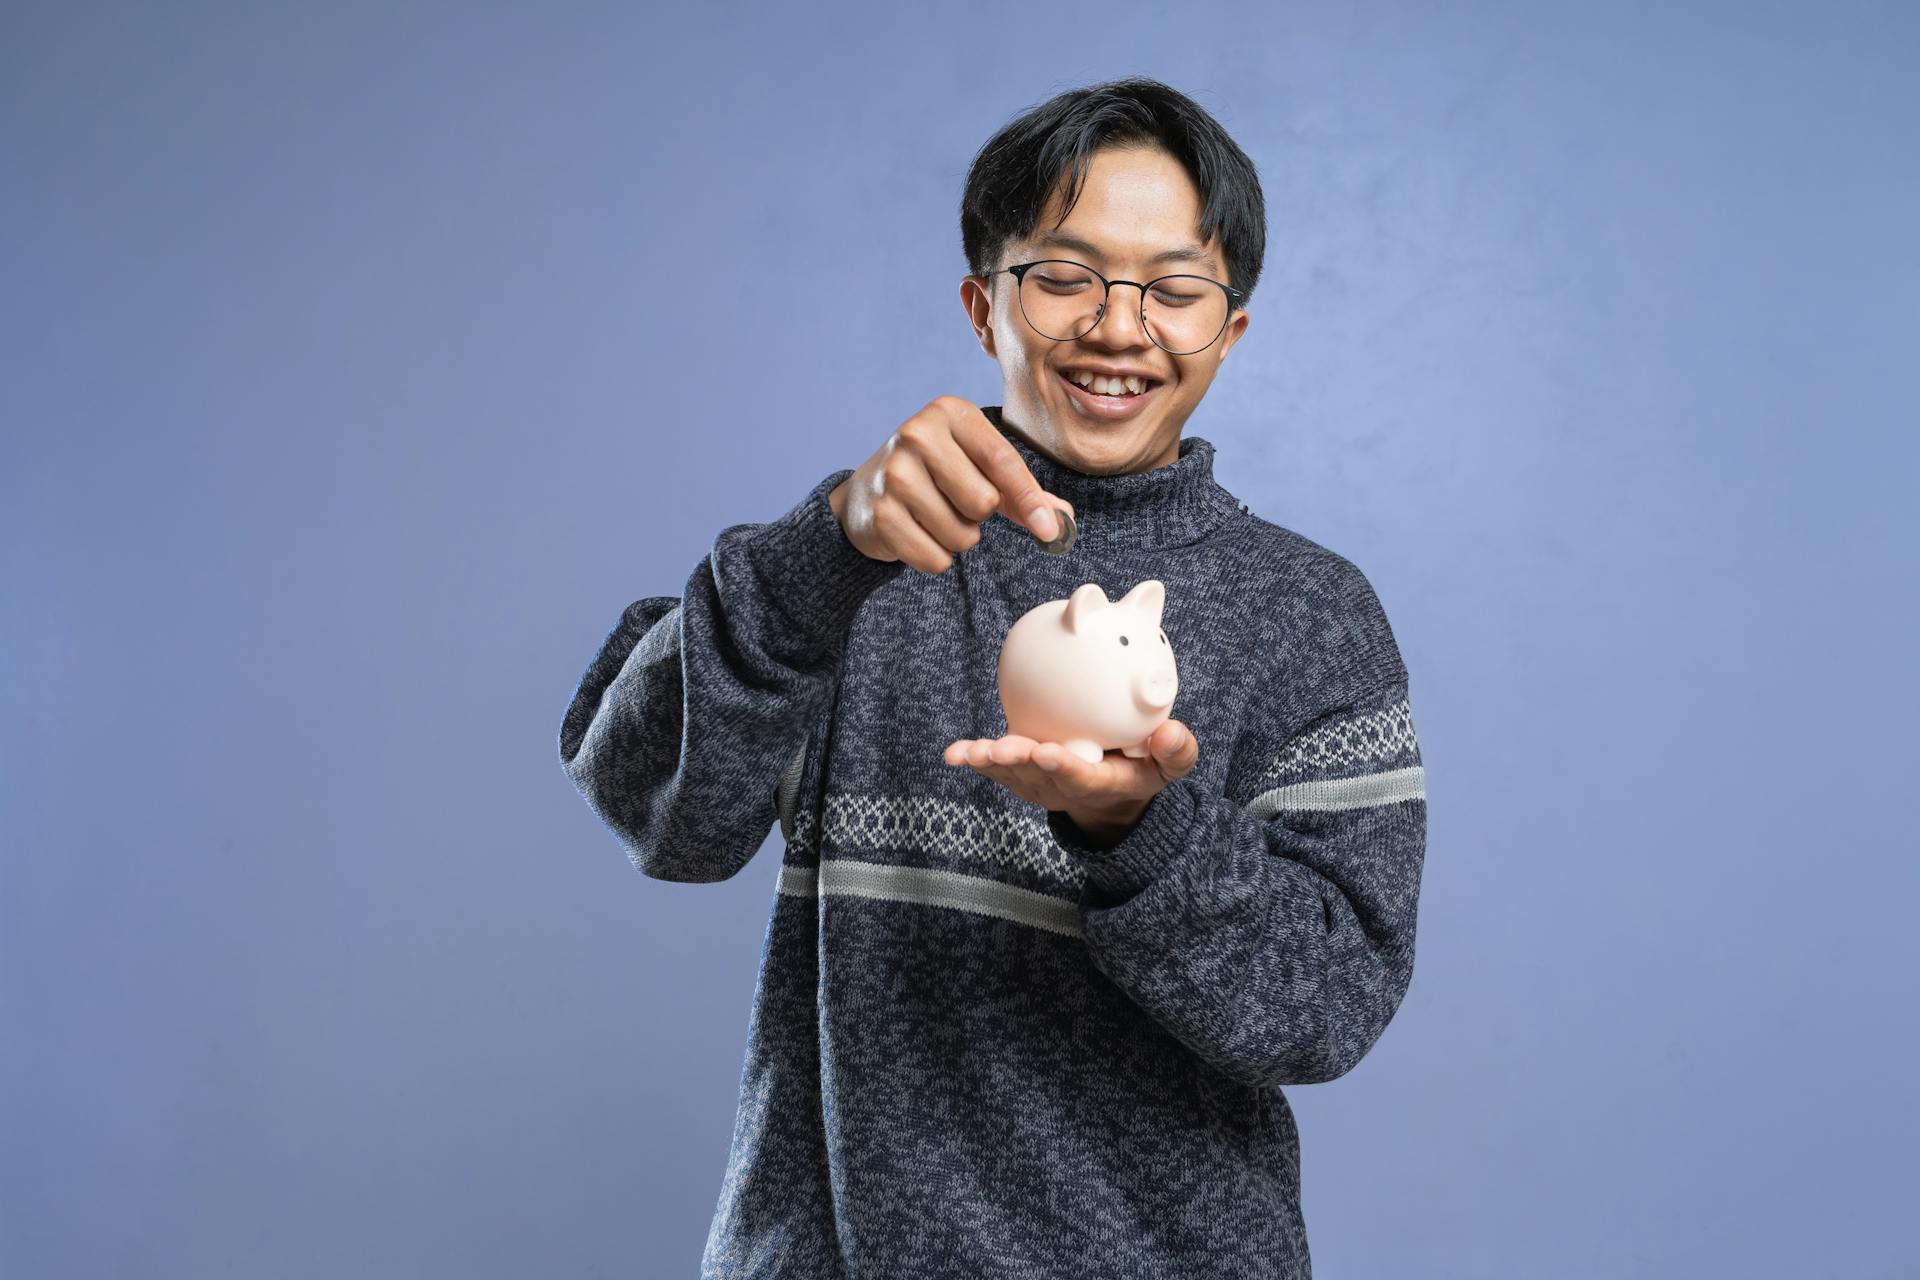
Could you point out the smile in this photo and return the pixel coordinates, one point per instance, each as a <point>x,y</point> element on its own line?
<point>1107,408</point>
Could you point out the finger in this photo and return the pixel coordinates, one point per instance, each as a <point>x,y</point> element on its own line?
<point>1012,749</point>
<point>911,511</point>
<point>1069,770</point>
<point>995,773</point>
<point>956,752</point>
<point>964,487</point>
<point>1174,748</point>
<point>1072,772</point>
<point>926,454</point>
<point>1019,494</point>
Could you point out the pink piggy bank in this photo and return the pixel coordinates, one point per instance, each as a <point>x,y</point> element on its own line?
<point>1090,673</point>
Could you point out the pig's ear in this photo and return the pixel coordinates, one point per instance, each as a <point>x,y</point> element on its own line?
<point>1087,599</point>
<point>1149,597</point>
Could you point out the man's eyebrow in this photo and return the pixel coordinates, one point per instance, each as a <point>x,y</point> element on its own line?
<point>1061,240</point>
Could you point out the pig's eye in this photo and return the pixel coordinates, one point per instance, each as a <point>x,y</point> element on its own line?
<point>1123,639</point>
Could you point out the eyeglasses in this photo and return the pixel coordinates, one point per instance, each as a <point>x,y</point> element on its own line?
<point>1065,300</point>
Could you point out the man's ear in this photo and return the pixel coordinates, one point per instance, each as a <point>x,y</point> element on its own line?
<point>978,305</point>
<point>1235,327</point>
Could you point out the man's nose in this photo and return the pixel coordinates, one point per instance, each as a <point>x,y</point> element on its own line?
<point>1128,327</point>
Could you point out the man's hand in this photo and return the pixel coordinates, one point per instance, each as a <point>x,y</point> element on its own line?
<point>943,473</point>
<point>1105,798</point>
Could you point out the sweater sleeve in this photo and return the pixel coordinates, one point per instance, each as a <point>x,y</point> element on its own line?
<point>1271,928</point>
<point>686,719</point>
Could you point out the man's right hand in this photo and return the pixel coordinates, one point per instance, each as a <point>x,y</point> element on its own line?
<point>942,474</point>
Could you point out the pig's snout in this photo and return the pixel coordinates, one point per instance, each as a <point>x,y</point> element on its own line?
<point>1154,690</point>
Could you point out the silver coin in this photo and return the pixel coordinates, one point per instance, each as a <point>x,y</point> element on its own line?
<point>1063,542</point>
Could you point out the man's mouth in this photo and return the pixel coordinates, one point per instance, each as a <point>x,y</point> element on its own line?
<point>1104,407</point>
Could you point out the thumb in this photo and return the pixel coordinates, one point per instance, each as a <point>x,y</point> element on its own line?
<point>1038,512</point>
<point>1174,748</point>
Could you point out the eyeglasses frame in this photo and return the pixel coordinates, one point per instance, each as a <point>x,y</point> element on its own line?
<point>1236,300</point>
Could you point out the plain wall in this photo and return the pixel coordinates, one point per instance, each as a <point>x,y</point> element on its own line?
<point>362,362</point>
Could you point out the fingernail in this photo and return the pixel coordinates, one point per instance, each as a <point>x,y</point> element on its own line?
<point>1044,523</point>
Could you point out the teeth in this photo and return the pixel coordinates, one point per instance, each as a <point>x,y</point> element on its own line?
<point>1108,386</point>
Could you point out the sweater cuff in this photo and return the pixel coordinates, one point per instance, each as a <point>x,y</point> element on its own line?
<point>1122,870</point>
<point>807,550</point>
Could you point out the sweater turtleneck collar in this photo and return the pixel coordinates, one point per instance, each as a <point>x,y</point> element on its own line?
<point>1167,506</point>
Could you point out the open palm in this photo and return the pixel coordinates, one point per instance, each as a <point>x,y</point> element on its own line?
<point>1115,788</point>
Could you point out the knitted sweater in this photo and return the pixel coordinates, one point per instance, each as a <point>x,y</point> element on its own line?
<point>981,1045</point>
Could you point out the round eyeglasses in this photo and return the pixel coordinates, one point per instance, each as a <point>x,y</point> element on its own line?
<point>1064,300</point>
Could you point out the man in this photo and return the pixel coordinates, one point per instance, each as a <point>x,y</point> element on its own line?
<point>1020,1013</point>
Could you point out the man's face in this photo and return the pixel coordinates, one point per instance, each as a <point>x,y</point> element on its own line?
<point>1134,204</point>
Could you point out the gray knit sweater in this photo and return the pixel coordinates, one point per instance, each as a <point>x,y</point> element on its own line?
<point>981,1046</point>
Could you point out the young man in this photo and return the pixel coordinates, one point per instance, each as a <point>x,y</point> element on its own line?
<point>1020,1013</point>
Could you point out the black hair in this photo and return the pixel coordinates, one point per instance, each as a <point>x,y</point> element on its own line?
<point>1020,166</point>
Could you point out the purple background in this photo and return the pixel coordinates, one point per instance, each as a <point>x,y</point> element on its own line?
<point>361,364</point>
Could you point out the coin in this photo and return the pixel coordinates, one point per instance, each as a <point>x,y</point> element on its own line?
<point>1061,543</point>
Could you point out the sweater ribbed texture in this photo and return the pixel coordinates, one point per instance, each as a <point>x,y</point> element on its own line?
<point>979,1044</point>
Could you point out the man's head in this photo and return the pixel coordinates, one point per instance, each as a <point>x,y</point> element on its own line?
<point>1120,177</point>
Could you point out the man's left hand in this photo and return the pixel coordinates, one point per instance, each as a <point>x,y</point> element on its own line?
<point>1105,797</point>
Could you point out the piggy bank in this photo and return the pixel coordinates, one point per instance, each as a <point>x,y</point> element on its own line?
<point>1090,673</point>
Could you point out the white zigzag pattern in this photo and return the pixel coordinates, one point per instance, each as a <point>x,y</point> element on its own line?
<point>1363,738</point>
<point>966,832</point>
<point>946,828</point>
